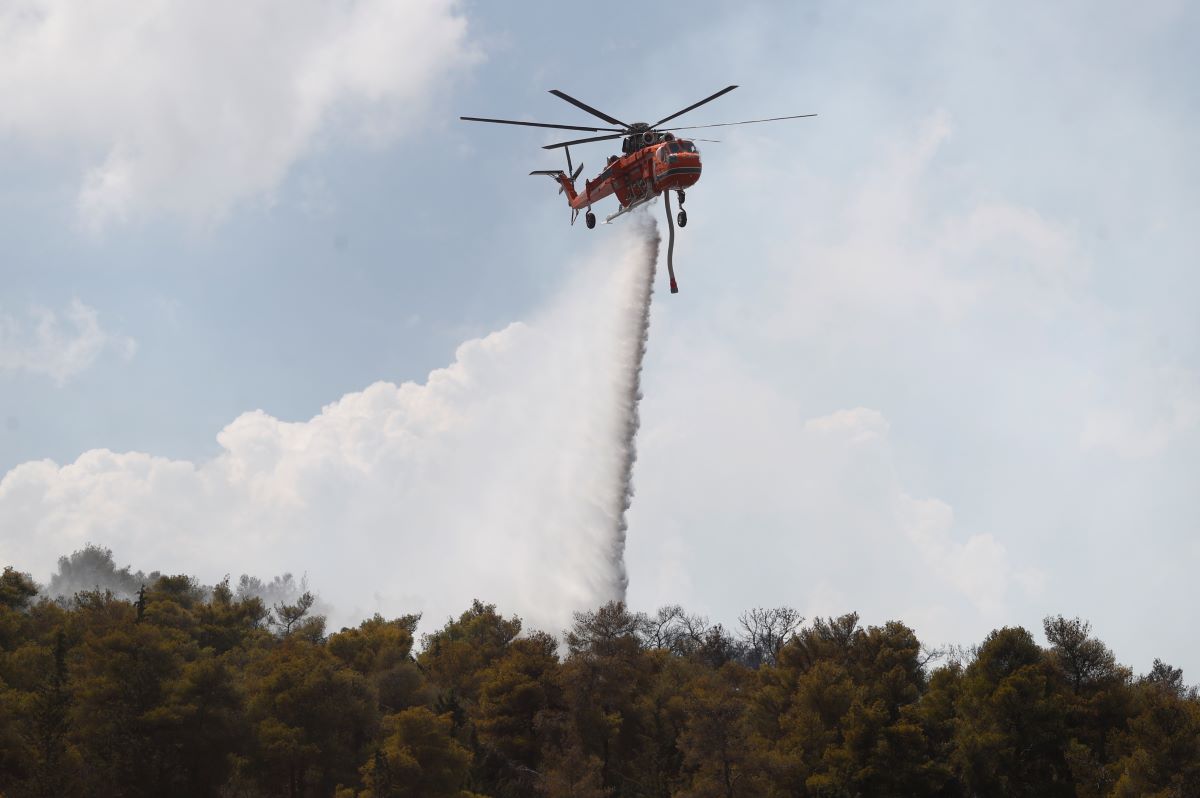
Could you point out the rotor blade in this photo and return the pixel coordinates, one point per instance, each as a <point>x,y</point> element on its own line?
<point>747,122</point>
<point>600,114</point>
<point>725,90</point>
<point>582,141</point>
<point>534,124</point>
<point>575,175</point>
<point>570,168</point>
<point>710,141</point>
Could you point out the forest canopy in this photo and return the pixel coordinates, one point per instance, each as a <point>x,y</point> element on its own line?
<point>121,683</point>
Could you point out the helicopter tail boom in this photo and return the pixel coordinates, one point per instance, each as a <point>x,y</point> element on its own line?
<point>566,183</point>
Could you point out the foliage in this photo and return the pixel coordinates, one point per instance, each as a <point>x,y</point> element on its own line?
<point>166,687</point>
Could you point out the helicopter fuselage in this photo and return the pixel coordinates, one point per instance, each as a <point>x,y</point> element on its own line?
<point>666,165</point>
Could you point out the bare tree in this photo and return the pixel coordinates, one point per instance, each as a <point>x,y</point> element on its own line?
<point>662,630</point>
<point>674,630</point>
<point>766,630</point>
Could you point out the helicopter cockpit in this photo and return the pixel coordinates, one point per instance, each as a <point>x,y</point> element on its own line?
<point>676,147</point>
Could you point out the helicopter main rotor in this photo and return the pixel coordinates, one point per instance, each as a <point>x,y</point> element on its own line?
<point>637,135</point>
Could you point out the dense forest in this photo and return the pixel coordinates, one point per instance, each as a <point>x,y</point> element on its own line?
<point>177,689</point>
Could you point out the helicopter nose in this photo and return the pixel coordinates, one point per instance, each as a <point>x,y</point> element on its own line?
<point>681,170</point>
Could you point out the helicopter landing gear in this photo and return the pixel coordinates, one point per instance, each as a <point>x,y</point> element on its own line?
<point>590,220</point>
<point>681,217</point>
<point>682,196</point>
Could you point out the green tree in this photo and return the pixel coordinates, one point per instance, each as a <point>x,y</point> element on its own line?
<point>1169,678</point>
<point>417,758</point>
<point>456,658</point>
<point>515,692</point>
<point>1011,730</point>
<point>937,715</point>
<point>1097,705</point>
<point>17,590</point>
<point>1162,745</point>
<point>190,692</point>
<point>288,617</point>
<point>456,655</point>
<point>55,765</point>
<point>883,749</point>
<point>661,714</point>
<point>570,773</point>
<point>381,650</point>
<point>717,753</point>
<point>201,719</point>
<point>839,713</point>
<point>605,673</point>
<point>313,719</point>
<point>172,601</point>
<point>225,623</point>
<point>121,681</point>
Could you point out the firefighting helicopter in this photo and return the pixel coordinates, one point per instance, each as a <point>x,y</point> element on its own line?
<point>653,161</point>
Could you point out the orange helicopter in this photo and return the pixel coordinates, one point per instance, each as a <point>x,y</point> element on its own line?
<point>653,161</point>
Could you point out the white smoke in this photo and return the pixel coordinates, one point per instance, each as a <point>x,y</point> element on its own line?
<point>505,476</point>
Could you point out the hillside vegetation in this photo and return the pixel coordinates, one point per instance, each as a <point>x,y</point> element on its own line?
<point>184,690</point>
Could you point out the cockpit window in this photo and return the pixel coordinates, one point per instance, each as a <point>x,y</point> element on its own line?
<point>687,146</point>
<point>673,146</point>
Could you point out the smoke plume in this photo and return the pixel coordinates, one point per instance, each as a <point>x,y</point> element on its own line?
<point>504,476</point>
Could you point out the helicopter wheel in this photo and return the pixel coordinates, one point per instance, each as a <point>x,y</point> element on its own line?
<point>590,219</point>
<point>682,196</point>
<point>682,218</point>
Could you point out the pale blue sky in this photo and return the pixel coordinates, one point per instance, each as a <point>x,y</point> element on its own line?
<point>986,243</point>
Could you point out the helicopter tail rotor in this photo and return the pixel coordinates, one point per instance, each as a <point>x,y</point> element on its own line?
<point>565,180</point>
<point>572,172</point>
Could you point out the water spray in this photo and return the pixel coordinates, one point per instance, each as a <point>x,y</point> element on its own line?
<point>642,290</point>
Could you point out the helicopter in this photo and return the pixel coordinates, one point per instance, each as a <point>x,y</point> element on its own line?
<point>653,161</point>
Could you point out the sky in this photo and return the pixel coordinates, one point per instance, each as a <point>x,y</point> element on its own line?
<point>266,305</point>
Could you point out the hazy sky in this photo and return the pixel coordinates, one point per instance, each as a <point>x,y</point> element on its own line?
<point>936,355</point>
